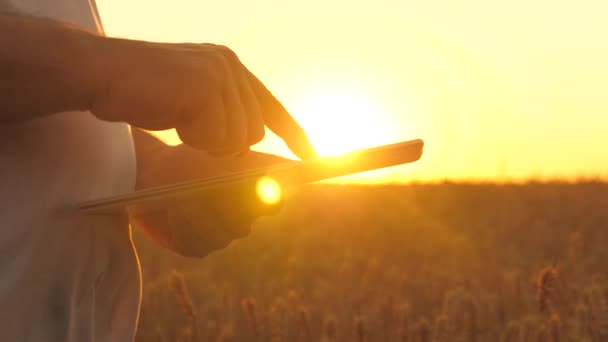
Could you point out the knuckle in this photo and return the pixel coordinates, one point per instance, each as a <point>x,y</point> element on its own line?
<point>213,76</point>
<point>224,244</point>
<point>201,77</point>
<point>217,71</point>
<point>214,56</point>
<point>219,56</point>
<point>224,240</point>
<point>243,232</point>
<point>227,52</point>
<point>217,68</point>
<point>193,137</point>
<point>214,137</point>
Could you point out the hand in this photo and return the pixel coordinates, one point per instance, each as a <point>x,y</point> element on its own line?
<point>195,228</point>
<point>202,90</point>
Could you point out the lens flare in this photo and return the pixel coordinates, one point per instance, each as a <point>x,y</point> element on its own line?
<point>269,190</point>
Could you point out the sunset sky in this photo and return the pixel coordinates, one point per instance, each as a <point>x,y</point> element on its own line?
<point>497,89</point>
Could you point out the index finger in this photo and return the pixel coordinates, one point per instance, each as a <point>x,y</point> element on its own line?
<point>279,121</point>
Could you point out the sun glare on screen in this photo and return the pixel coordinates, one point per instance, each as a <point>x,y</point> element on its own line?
<point>269,190</point>
<point>338,122</point>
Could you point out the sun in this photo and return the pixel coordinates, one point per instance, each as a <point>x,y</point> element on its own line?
<point>341,121</point>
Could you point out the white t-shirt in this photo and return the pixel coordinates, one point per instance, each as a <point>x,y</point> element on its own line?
<point>65,276</point>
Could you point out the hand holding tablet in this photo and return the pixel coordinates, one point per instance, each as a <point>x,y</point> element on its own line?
<point>258,188</point>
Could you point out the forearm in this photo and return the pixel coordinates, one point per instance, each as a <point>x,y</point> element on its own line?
<point>45,67</point>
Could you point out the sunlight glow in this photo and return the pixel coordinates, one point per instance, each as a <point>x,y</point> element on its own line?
<point>269,190</point>
<point>471,79</point>
<point>341,121</point>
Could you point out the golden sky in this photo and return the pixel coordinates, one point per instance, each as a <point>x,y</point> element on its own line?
<point>497,89</point>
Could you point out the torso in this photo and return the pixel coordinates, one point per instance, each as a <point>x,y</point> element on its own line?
<point>64,275</point>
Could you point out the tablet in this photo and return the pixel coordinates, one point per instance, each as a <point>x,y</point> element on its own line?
<point>244,185</point>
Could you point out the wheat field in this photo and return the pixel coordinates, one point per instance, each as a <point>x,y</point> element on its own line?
<point>415,263</point>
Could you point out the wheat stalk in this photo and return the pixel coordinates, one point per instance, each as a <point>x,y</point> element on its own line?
<point>248,306</point>
<point>179,288</point>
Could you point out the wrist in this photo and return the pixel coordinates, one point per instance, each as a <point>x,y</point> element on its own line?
<point>85,71</point>
<point>109,62</point>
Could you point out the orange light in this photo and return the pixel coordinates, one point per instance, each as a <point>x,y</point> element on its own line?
<point>269,190</point>
<point>338,122</point>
